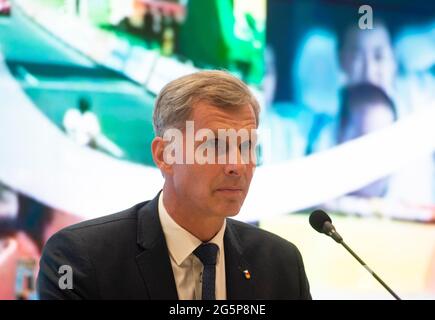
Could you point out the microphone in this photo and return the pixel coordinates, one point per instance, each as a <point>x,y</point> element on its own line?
<point>321,222</point>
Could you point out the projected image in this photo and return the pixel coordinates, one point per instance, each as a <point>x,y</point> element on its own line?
<point>350,107</point>
<point>348,119</point>
<point>25,226</point>
<point>78,81</point>
<point>209,34</point>
<point>331,83</point>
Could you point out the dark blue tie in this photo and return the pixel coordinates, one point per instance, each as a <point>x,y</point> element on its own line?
<point>207,253</point>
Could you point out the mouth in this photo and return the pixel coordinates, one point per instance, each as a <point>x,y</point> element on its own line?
<point>230,191</point>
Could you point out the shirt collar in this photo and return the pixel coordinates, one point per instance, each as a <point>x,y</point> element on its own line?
<point>181,243</point>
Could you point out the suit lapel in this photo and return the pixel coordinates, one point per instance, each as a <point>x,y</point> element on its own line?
<point>238,286</point>
<point>155,266</point>
<point>153,261</point>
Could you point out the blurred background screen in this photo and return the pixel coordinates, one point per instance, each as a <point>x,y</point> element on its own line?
<point>350,97</point>
<point>348,107</point>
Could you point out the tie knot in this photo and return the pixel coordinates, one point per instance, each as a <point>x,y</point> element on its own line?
<point>207,253</point>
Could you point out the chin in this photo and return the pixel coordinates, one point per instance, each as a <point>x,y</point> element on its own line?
<point>232,214</point>
<point>230,210</point>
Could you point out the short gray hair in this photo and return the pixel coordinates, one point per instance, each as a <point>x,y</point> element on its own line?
<point>174,103</point>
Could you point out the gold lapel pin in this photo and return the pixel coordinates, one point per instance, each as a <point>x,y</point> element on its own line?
<point>247,274</point>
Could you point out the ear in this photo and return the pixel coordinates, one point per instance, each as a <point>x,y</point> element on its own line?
<point>157,150</point>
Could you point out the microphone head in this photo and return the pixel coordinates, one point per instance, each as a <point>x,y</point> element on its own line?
<point>318,219</point>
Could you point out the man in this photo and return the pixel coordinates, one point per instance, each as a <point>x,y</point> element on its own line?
<point>182,244</point>
<point>366,55</point>
<point>365,108</point>
<point>82,124</point>
<point>83,127</point>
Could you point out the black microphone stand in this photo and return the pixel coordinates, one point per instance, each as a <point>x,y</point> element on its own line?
<point>369,270</point>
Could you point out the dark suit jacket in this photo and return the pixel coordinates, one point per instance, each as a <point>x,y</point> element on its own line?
<point>124,256</point>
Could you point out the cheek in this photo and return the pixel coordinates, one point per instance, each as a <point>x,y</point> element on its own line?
<point>181,176</point>
<point>197,179</point>
<point>250,173</point>
<point>352,65</point>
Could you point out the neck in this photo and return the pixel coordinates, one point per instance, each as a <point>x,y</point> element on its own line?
<point>199,224</point>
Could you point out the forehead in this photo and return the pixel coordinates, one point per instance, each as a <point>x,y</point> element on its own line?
<point>367,39</point>
<point>373,111</point>
<point>206,115</point>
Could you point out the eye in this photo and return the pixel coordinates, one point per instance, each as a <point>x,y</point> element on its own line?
<point>220,146</point>
<point>245,148</point>
<point>246,145</point>
<point>247,151</point>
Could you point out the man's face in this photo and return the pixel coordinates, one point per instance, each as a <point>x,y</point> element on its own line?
<point>216,189</point>
<point>368,118</point>
<point>379,116</point>
<point>367,56</point>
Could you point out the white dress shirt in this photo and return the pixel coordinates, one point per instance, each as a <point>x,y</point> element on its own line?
<point>187,268</point>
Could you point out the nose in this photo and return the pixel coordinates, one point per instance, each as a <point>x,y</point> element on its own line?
<point>235,166</point>
<point>235,170</point>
